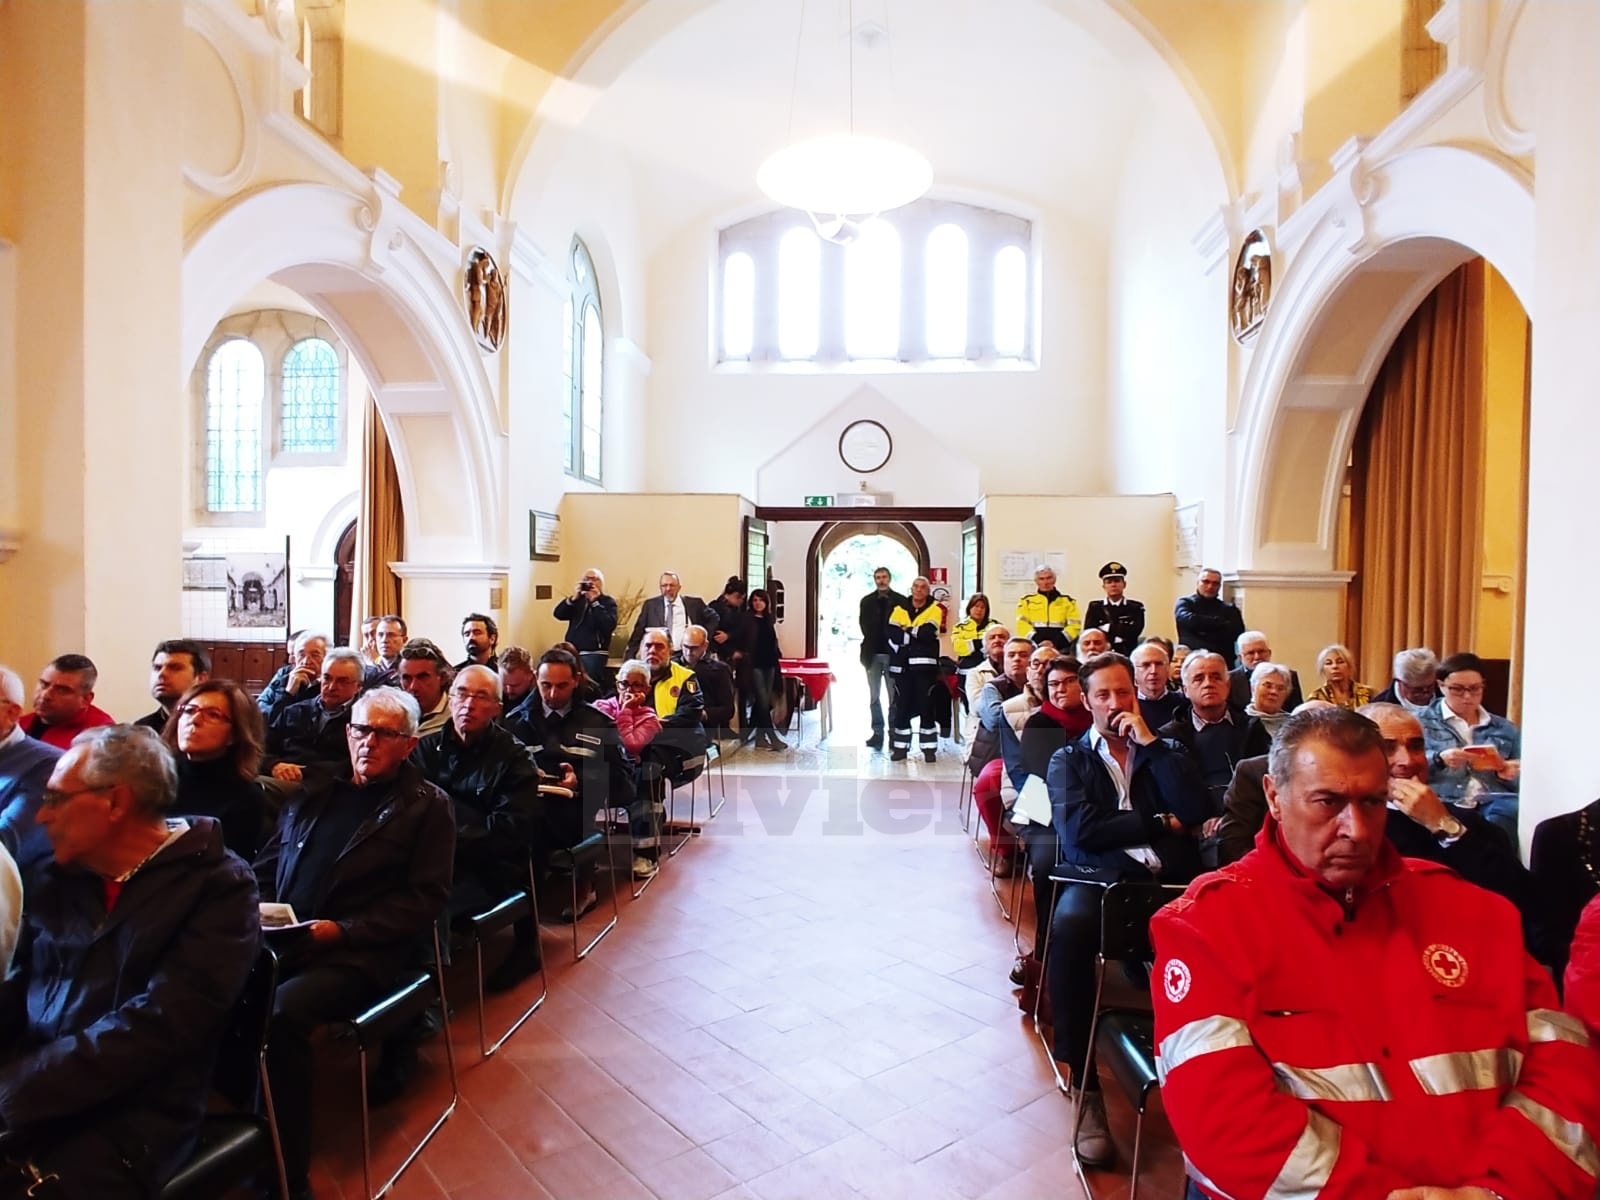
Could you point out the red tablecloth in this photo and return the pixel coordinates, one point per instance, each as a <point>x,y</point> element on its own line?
<point>815,673</point>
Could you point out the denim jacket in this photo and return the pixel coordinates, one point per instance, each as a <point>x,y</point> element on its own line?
<point>1451,783</point>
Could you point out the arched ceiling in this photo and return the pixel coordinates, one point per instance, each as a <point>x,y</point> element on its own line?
<point>1023,101</point>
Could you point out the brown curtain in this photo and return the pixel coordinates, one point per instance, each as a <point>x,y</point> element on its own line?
<point>380,534</point>
<point>1417,485</point>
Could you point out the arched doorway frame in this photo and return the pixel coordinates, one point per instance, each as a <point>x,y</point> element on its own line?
<point>1383,243</point>
<point>831,534</point>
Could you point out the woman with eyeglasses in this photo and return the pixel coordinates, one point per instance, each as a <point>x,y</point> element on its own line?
<point>215,734</point>
<point>1474,756</point>
<point>1339,685</point>
<point>637,722</point>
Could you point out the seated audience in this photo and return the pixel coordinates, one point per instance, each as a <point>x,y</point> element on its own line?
<point>563,731</point>
<point>1180,655</point>
<point>588,688</point>
<point>309,735</point>
<point>716,681</point>
<point>1216,735</point>
<point>1127,806</point>
<point>139,934</point>
<point>1339,686</point>
<point>672,612</point>
<point>1253,649</point>
<point>176,666</point>
<point>984,746</point>
<point>591,618</point>
<point>1047,615</point>
<point>1270,687</point>
<point>994,791</point>
<point>760,659</point>
<point>1092,641</point>
<point>1581,981</point>
<point>369,640</point>
<point>1416,680</point>
<point>389,639</point>
<point>424,676</point>
<point>516,676</point>
<point>493,786</point>
<point>1563,860</point>
<point>216,741</point>
<point>676,698</point>
<point>1285,1074</point>
<point>1152,672</point>
<point>365,862</point>
<point>637,723</point>
<point>980,676</point>
<point>25,766</point>
<point>63,703</point>
<point>298,679</point>
<point>968,637</point>
<point>481,637</point>
<point>1474,756</point>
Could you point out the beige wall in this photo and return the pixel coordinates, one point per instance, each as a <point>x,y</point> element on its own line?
<point>1505,463</point>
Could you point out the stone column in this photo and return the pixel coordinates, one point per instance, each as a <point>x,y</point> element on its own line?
<point>1299,611</point>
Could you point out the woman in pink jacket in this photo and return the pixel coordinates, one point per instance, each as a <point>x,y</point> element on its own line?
<point>636,721</point>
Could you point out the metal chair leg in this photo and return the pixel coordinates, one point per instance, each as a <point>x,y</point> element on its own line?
<point>994,863</point>
<point>544,978</point>
<point>722,787</point>
<point>658,826</point>
<point>616,911</point>
<point>1038,1001</point>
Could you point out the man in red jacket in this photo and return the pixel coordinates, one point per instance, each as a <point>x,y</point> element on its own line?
<point>1336,1022</point>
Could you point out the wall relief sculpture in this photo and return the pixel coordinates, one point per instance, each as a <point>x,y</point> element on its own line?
<point>488,302</point>
<point>1252,287</point>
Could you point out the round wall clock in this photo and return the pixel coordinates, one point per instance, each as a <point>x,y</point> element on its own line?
<point>865,446</point>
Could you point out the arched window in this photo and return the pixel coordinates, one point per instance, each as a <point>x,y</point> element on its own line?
<point>309,415</point>
<point>738,305</point>
<point>947,292</point>
<point>1010,302</point>
<point>582,408</point>
<point>236,389</point>
<point>799,293</point>
<point>872,292</point>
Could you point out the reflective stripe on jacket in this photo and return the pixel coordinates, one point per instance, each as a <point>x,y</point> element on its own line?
<point>1339,1048</point>
<point>1036,611</point>
<point>914,636</point>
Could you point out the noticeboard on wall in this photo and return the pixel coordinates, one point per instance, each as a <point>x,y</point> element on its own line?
<point>544,536</point>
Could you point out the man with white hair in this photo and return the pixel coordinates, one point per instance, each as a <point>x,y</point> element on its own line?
<point>1253,649</point>
<point>298,678</point>
<point>1152,668</point>
<point>1216,735</point>
<point>591,618</point>
<point>673,612</point>
<point>25,766</point>
<point>1046,615</point>
<point>365,863</point>
<point>1415,686</point>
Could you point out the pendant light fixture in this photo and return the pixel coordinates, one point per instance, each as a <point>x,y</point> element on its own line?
<point>845,178</point>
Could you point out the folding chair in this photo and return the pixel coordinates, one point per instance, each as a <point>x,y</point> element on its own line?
<point>485,925</point>
<point>587,851</point>
<point>235,1147</point>
<point>383,1020</point>
<point>1126,1037</point>
<point>1062,874</point>
<point>714,755</point>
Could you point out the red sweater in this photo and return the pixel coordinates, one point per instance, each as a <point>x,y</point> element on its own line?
<point>61,736</point>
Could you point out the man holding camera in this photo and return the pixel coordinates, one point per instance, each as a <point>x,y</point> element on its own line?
<point>591,618</point>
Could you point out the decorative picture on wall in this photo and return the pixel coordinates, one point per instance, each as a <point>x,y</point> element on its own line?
<point>488,302</point>
<point>1252,288</point>
<point>258,591</point>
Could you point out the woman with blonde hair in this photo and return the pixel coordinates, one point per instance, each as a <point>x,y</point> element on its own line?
<point>1338,669</point>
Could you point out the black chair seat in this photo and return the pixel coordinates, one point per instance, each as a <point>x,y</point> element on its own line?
<point>503,915</point>
<point>1126,1042</point>
<point>568,858</point>
<point>225,1142</point>
<point>396,1010</point>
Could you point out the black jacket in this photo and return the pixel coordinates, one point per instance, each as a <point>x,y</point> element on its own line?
<point>590,622</point>
<point>759,642</point>
<point>111,1020</point>
<point>389,883</point>
<point>1093,830</point>
<point>1560,863</point>
<point>716,684</point>
<point>1240,695</point>
<point>875,610</point>
<point>1390,695</point>
<point>653,615</point>
<point>1244,737</point>
<point>731,621</point>
<point>494,788</point>
<point>216,789</point>
<point>586,740</point>
<point>1123,623</point>
<point>310,736</point>
<point>1207,623</point>
<point>154,721</point>
<point>275,694</point>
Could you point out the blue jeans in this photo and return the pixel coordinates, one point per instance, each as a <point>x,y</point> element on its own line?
<point>878,677</point>
<point>1500,810</point>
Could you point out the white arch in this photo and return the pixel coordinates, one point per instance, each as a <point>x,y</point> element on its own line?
<point>360,260</point>
<point>1398,230</point>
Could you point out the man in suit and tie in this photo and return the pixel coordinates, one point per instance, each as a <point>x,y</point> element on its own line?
<point>1253,649</point>
<point>672,611</point>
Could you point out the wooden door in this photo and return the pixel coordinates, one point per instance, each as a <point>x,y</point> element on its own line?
<point>344,584</point>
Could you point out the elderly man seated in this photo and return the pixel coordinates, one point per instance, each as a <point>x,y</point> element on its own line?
<point>1335,1020</point>
<point>25,766</point>
<point>365,863</point>
<point>63,702</point>
<point>1253,649</point>
<point>1415,685</point>
<point>139,935</point>
<point>1216,734</point>
<point>491,779</point>
<point>298,678</point>
<point>1152,672</point>
<point>716,681</point>
<point>308,735</point>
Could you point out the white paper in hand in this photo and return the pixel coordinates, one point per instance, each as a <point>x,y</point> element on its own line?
<point>1033,803</point>
<point>275,915</point>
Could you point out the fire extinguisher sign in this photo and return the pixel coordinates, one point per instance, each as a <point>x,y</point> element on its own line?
<point>938,576</point>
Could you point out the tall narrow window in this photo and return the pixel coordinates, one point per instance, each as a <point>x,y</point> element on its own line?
<point>1010,302</point>
<point>236,388</point>
<point>569,376</point>
<point>799,293</point>
<point>582,411</point>
<point>947,292</point>
<point>738,305</point>
<point>872,292</point>
<point>309,416</point>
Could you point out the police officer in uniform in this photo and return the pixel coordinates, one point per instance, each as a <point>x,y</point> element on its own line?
<point>1121,619</point>
<point>1046,615</point>
<point>914,636</point>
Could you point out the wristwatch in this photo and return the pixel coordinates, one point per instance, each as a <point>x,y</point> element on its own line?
<point>1449,829</point>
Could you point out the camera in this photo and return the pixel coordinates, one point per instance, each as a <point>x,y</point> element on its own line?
<point>585,585</point>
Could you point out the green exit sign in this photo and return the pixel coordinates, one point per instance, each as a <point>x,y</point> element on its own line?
<point>819,501</point>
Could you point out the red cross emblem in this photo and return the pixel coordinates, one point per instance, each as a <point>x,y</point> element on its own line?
<point>1176,979</point>
<point>1446,964</point>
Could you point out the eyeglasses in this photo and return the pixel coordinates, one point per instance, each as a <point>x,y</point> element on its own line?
<point>55,799</point>
<point>632,685</point>
<point>363,732</point>
<point>1463,689</point>
<point>202,714</point>
<point>474,698</point>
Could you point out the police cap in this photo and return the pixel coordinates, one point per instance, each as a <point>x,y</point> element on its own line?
<point>1113,570</point>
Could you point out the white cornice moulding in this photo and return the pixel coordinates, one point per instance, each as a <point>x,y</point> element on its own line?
<point>1290,579</point>
<point>422,570</point>
<point>1210,241</point>
<point>530,262</point>
<point>310,575</point>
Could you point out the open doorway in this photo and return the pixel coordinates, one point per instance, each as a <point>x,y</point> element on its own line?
<point>847,556</point>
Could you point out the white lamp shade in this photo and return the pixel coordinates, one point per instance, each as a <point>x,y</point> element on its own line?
<point>845,174</point>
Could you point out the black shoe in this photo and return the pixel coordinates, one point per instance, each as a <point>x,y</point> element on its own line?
<point>898,756</point>
<point>875,742</point>
<point>522,962</point>
<point>1019,972</point>
<point>394,1073</point>
<point>927,755</point>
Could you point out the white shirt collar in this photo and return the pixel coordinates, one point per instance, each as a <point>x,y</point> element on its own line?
<point>12,738</point>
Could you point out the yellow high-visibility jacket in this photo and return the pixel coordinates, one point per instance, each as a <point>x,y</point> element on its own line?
<point>1037,611</point>
<point>915,634</point>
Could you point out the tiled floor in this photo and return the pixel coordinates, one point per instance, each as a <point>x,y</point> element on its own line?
<point>810,1002</point>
